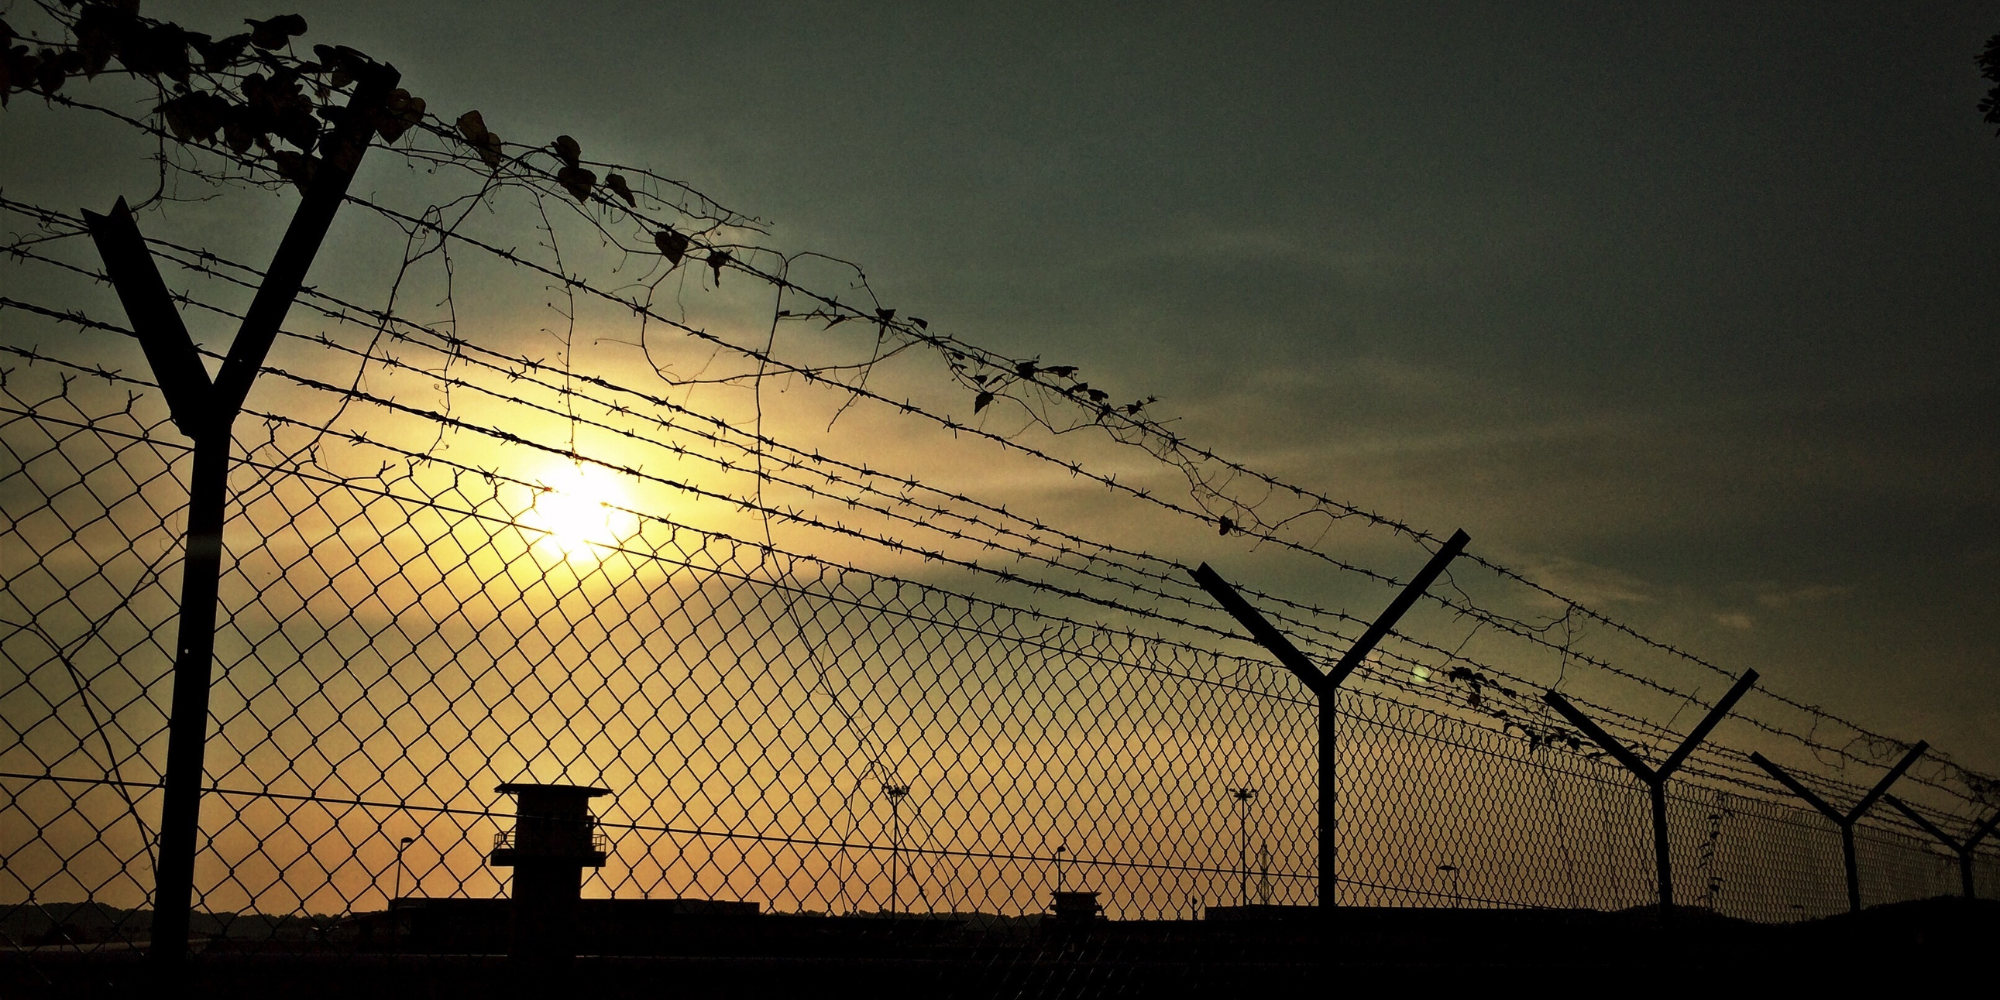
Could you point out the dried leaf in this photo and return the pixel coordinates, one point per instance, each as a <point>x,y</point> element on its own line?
<point>567,148</point>
<point>1227,526</point>
<point>981,401</point>
<point>195,116</point>
<point>277,32</point>
<point>1025,369</point>
<point>616,182</point>
<point>236,134</point>
<point>399,114</point>
<point>577,181</point>
<point>1061,371</point>
<point>716,260</point>
<point>49,75</point>
<point>295,167</point>
<point>672,243</point>
<point>222,51</point>
<point>472,125</point>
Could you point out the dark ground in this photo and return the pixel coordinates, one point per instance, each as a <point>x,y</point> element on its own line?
<point>1482,951</point>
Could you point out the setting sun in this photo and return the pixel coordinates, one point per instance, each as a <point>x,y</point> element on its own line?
<point>579,508</point>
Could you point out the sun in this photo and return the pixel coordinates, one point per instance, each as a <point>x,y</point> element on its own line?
<point>579,508</point>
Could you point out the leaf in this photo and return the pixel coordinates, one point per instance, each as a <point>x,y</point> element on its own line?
<point>277,32</point>
<point>295,167</point>
<point>567,148</point>
<point>980,401</point>
<point>672,243</point>
<point>222,51</point>
<point>1025,369</point>
<point>1061,371</point>
<point>716,260</point>
<point>49,75</point>
<point>472,125</point>
<point>236,132</point>
<point>577,181</point>
<point>1227,526</point>
<point>616,182</point>
<point>1098,395</point>
<point>400,112</point>
<point>195,116</point>
<point>921,325</point>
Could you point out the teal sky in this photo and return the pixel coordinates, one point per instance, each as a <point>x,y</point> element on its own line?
<point>1690,307</point>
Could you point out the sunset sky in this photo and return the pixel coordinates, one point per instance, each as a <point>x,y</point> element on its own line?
<point>1690,307</point>
<point>1687,310</point>
<point>1684,312</point>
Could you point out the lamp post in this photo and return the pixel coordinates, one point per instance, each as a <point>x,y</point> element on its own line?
<point>1060,849</point>
<point>401,846</point>
<point>1264,886</point>
<point>896,795</point>
<point>1243,797</point>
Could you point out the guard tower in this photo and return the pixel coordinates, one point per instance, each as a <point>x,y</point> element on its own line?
<point>554,839</point>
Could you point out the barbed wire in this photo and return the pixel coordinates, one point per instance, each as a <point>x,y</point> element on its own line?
<point>1085,678</point>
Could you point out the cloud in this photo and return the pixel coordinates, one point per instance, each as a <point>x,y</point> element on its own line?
<point>1808,594</point>
<point>1591,584</point>
<point>1736,620</point>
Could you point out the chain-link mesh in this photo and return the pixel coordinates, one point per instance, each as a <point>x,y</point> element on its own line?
<point>830,650</point>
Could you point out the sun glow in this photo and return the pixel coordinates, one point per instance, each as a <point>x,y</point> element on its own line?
<point>578,508</point>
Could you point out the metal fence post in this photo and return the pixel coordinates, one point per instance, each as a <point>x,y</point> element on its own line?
<point>1327,685</point>
<point>1847,819</point>
<point>1655,779</point>
<point>206,411</point>
<point>1966,849</point>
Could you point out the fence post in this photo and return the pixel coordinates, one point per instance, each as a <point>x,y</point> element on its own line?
<point>1847,819</point>
<point>206,410</point>
<point>1327,685</point>
<point>1655,779</point>
<point>1966,849</point>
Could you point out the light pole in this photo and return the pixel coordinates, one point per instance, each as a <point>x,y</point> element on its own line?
<point>401,846</point>
<point>1453,869</point>
<point>1243,797</point>
<point>1060,849</point>
<point>896,795</point>
<point>1264,873</point>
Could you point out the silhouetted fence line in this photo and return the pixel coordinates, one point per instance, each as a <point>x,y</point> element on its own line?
<point>830,647</point>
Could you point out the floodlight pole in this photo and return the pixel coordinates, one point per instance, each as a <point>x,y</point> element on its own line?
<point>1243,797</point>
<point>1847,819</point>
<point>1966,849</point>
<point>1655,779</point>
<point>206,410</point>
<point>1326,685</point>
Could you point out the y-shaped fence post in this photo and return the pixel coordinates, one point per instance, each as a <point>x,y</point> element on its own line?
<point>1655,779</point>
<point>206,412</point>
<point>1325,685</point>
<point>1847,819</point>
<point>1966,849</point>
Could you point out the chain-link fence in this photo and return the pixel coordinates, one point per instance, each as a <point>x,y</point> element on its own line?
<point>828,649</point>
